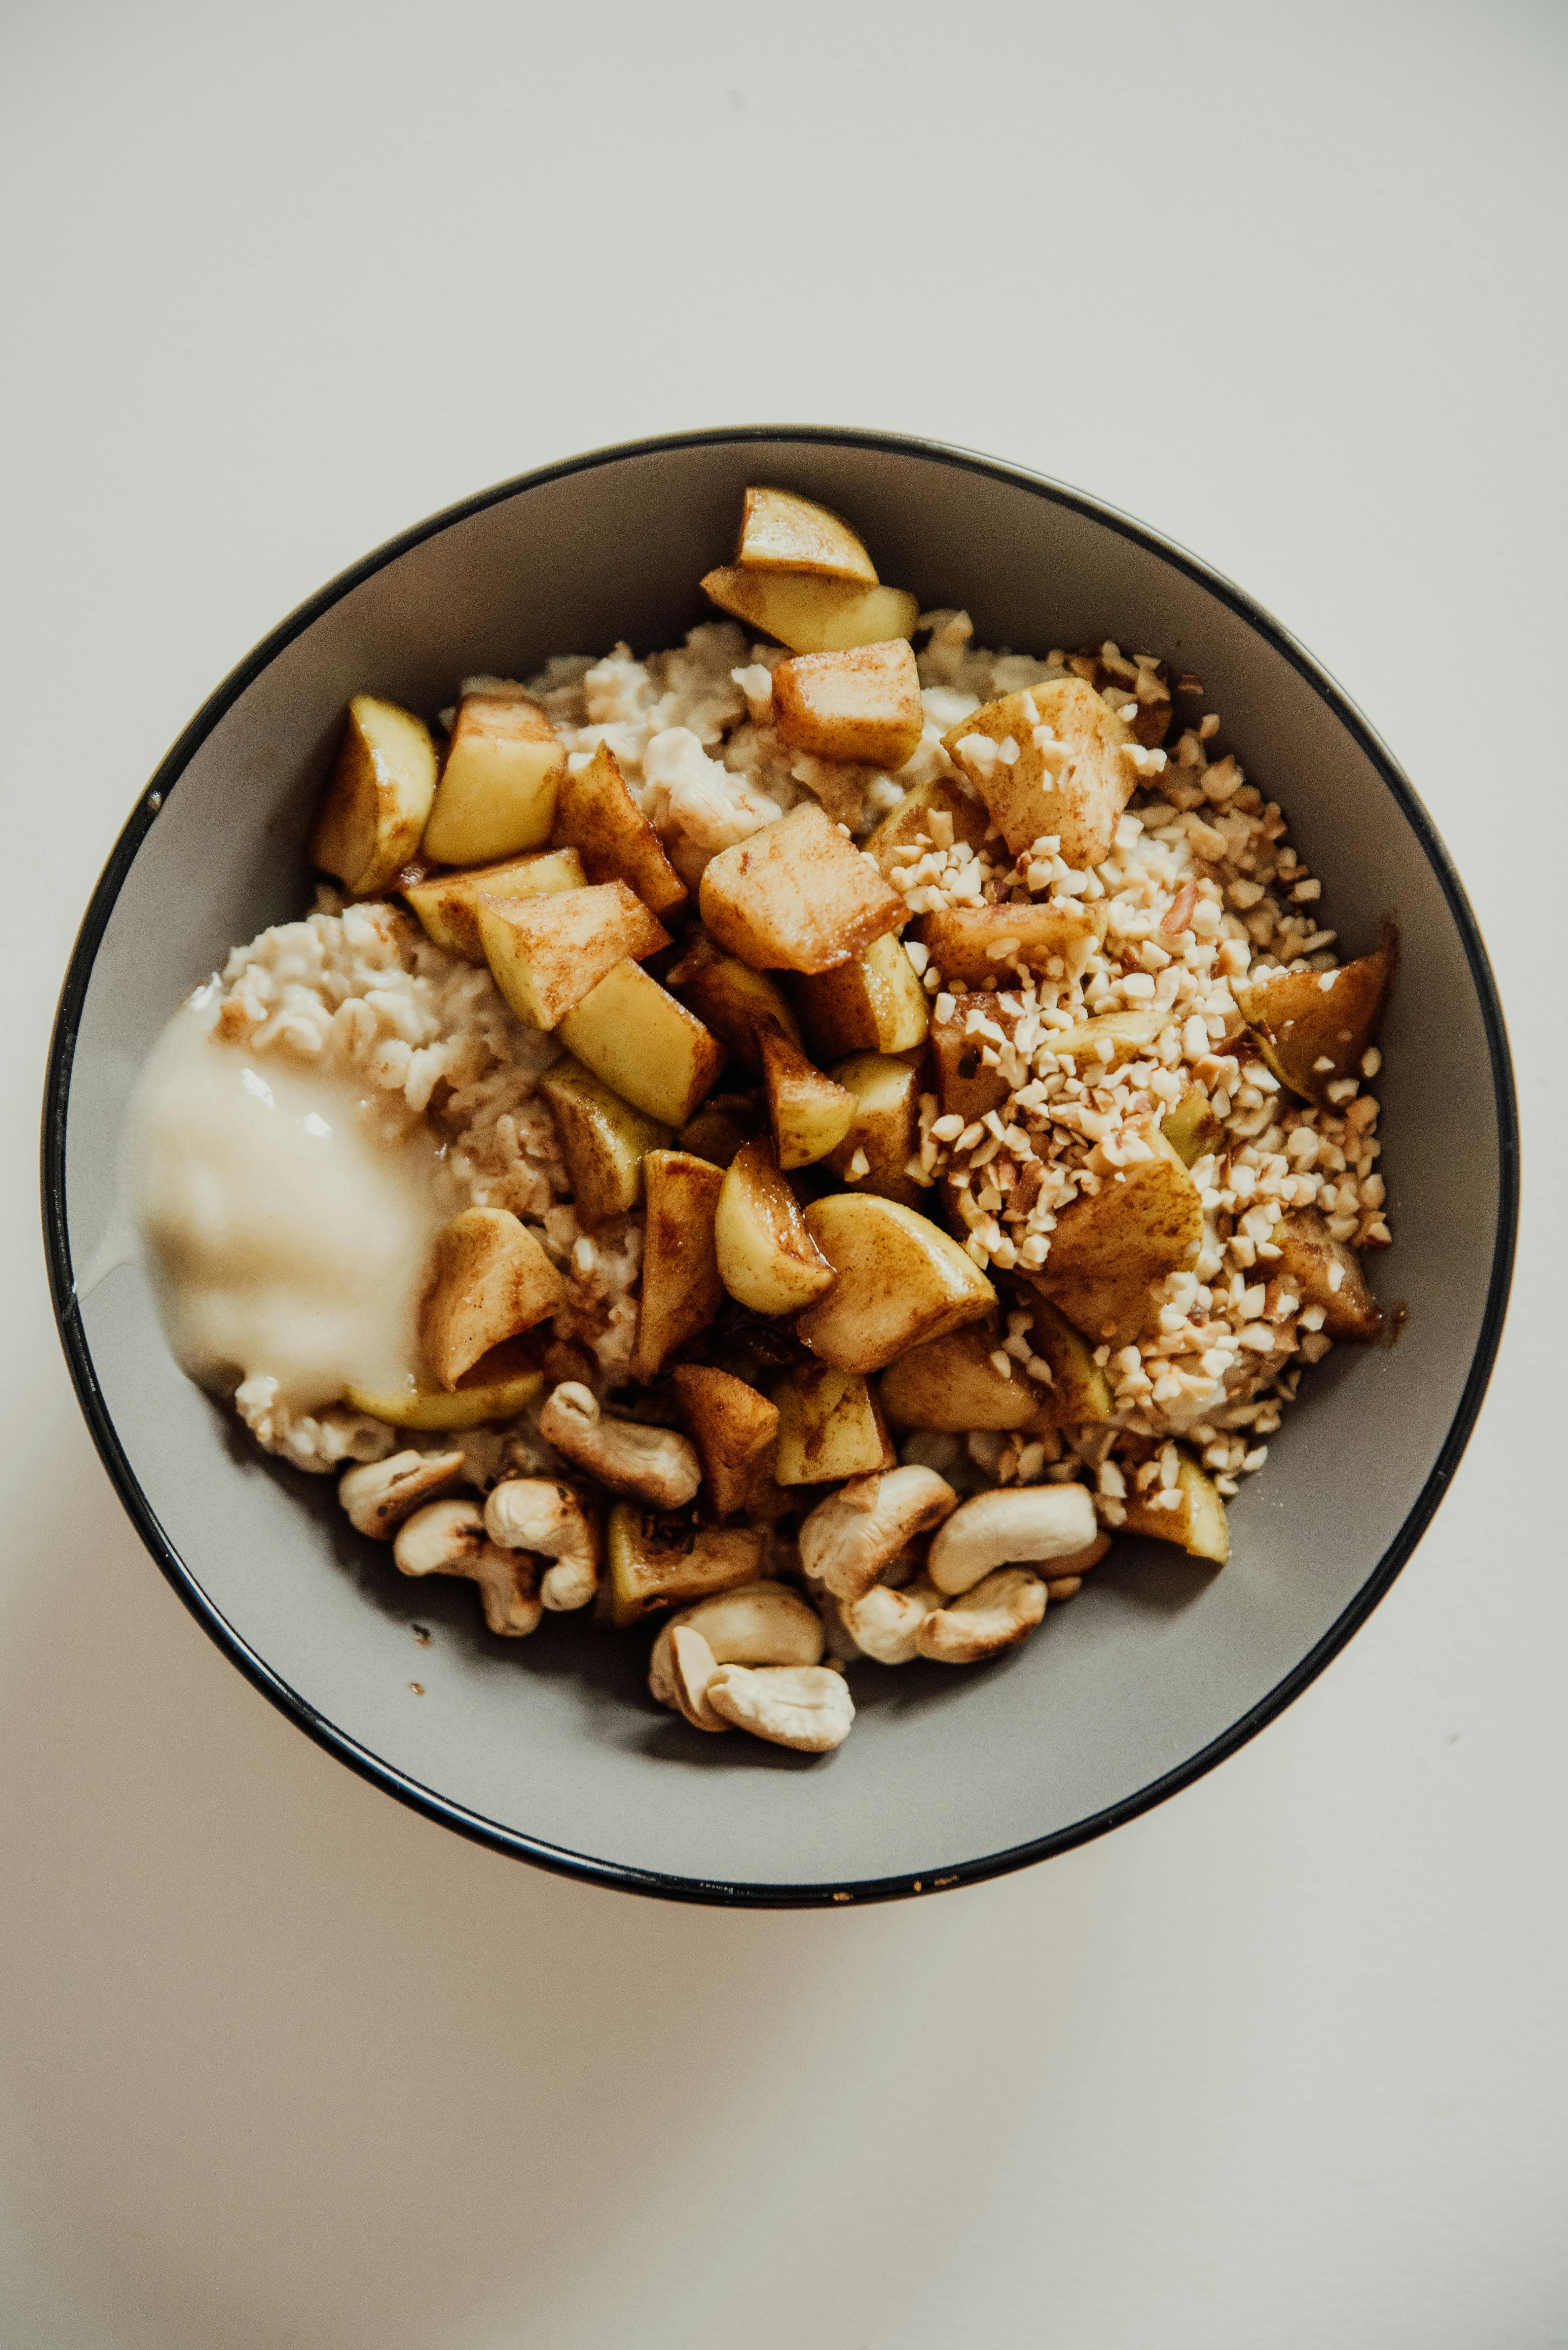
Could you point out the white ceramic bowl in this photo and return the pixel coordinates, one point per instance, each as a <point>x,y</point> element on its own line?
<point>551,1748</point>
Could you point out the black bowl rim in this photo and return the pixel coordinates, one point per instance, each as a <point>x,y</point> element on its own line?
<point>426,1800</point>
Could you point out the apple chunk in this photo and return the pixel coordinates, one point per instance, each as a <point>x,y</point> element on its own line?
<point>1141,1224</point>
<point>873,1002</point>
<point>497,790</point>
<point>900,1281</point>
<point>655,1565</point>
<point>1328,1273</point>
<point>1198,1523</point>
<point>885,1132</point>
<point>733,1427</point>
<point>830,1427</point>
<point>1314,1026</point>
<point>813,615</point>
<point>647,1047</point>
<point>1068,772</point>
<point>546,954</point>
<point>767,1258</point>
<point>781,531</point>
<point>490,1280</point>
<point>863,706</point>
<point>734,999</point>
<point>808,1113</point>
<point>952,1384</point>
<point>498,1386</point>
<point>797,896</point>
<point>375,807</point>
<point>1079,1391</point>
<point>969,944</point>
<point>448,903</point>
<point>681,1291</point>
<point>941,810</point>
<point>603,1140</point>
<point>1191,1128</point>
<point>597,815</point>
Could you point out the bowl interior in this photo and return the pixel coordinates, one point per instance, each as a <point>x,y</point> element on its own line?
<point>552,1745</point>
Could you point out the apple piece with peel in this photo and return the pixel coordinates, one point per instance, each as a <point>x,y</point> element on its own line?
<point>1314,1026</point>
<point>647,1047</point>
<point>969,944</point>
<point>885,1132</point>
<point>448,903</point>
<point>681,1291</point>
<point>767,1258</point>
<point>900,1281</point>
<point>597,815</point>
<point>796,896</point>
<point>1108,1040</point>
<point>830,1427</point>
<point>498,1386</point>
<point>863,706</point>
<point>733,1427</point>
<point>546,954</point>
<point>375,807</point>
<point>941,810</point>
<point>968,1085</point>
<point>490,1280</point>
<point>732,999</point>
<point>1080,1391</point>
<point>808,1113</point>
<point>874,1003</point>
<point>781,531</point>
<point>1197,1522</point>
<point>497,789</point>
<point>1191,1128</point>
<point>810,614</point>
<point>1327,1273</point>
<point>656,1563</point>
<point>604,1140</point>
<point>1106,1250</point>
<point>723,1123</point>
<point>1067,772</point>
<point>952,1384</point>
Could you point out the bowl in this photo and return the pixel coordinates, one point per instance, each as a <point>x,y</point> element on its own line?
<point>551,1749</point>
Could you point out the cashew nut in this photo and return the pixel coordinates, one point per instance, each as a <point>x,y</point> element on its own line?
<point>756,1624</point>
<point>379,1494</point>
<point>659,1465</point>
<point>886,1624</point>
<point>535,1513</point>
<point>449,1538</point>
<point>693,1666</point>
<point>1021,1521</point>
<point>995,1614</point>
<point>804,1706</point>
<point>855,1534</point>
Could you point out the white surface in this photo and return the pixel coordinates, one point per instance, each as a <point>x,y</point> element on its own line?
<point>279,2062</point>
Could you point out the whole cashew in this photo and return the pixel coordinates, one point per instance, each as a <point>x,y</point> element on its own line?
<point>379,1494</point>
<point>756,1624</point>
<point>535,1513</point>
<point>657,1465</point>
<point>1023,1522</point>
<point>449,1538</point>
<point>852,1537</point>
<point>886,1624</point>
<point>802,1706</point>
<point>1001,1610</point>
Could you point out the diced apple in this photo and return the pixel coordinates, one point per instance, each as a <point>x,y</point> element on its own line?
<point>1108,1040</point>
<point>781,531</point>
<point>959,816</point>
<point>1312,1026</point>
<point>1079,1392</point>
<point>1198,1523</point>
<point>900,1281</point>
<point>885,1132</point>
<point>812,615</point>
<point>597,815</point>
<point>546,954</point>
<point>830,1427</point>
<point>863,706</point>
<point>733,1427</point>
<point>723,1123</point>
<point>681,1291</point>
<point>969,944</point>
<point>490,1280</point>
<point>732,999</point>
<point>1327,1273</point>
<point>1142,1223</point>
<point>968,1085</point>
<point>1074,782</point>
<point>654,1564</point>
<point>647,1047</point>
<point>873,1002</point>
<point>952,1383</point>
<point>448,903</point>
<point>797,896</point>
<point>767,1258</point>
<point>375,806</point>
<point>604,1140</point>
<point>498,1386</point>
<point>808,1113</point>
<point>497,789</point>
<point>1191,1128</point>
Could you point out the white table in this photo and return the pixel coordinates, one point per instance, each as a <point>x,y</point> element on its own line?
<point>280,2063</point>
